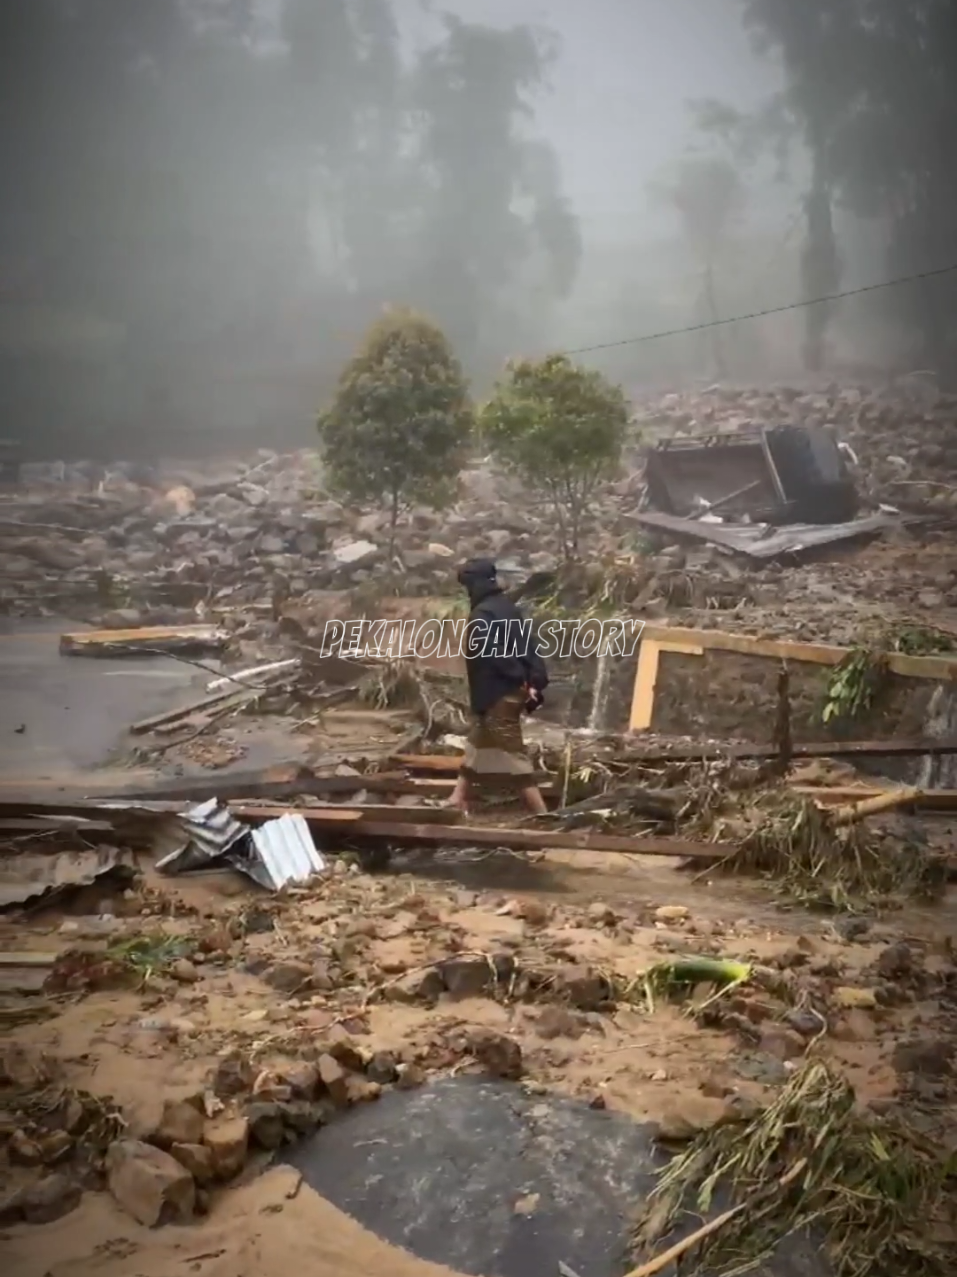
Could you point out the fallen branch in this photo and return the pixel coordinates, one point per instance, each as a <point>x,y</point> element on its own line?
<point>887,801</point>
<point>668,1257</point>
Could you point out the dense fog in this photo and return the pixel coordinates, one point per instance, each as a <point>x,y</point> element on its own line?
<point>205,202</point>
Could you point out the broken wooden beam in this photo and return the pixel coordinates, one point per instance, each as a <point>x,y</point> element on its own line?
<point>144,640</point>
<point>366,813</point>
<point>541,840</point>
<point>253,813</point>
<point>171,716</point>
<point>836,795</point>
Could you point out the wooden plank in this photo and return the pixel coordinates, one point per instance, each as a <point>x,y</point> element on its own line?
<point>938,668</point>
<point>373,812</point>
<point>312,815</point>
<point>144,638</point>
<point>25,958</point>
<point>184,711</point>
<point>429,762</point>
<point>541,840</point>
<point>643,693</point>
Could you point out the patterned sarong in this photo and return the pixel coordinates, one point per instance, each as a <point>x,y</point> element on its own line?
<point>495,749</point>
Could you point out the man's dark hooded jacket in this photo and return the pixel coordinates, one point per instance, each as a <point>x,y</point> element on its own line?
<point>500,657</point>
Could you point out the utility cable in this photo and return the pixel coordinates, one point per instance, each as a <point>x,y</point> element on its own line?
<point>761,314</point>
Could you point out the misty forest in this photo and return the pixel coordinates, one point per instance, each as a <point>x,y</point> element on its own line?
<point>206,203</point>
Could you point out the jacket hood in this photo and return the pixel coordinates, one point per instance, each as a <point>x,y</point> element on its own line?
<point>479,578</point>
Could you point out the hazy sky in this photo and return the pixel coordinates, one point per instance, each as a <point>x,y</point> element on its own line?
<point>617,111</point>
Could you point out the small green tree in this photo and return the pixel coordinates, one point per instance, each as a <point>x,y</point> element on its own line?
<point>561,428</point>
<point>398,430</point>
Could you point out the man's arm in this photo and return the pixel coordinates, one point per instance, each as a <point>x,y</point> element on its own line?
<point>536,673</point>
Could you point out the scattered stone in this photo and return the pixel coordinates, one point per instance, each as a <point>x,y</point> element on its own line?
<point>698,1113</point>
<point>499,1055</point>
<point>855,1026</point>
<point>851,929</point>
<point>197,1159</point>
<point>534,913</point>
<point>583,987</point>
<point>266,1127</point>
<point>558,1022</point>
<point>289,977</point>
<point>303,1117</point>
<point>332,1079</point>
<point>302,1078</point>
<point>345,1051</point>
<point>467,977</point>
<point>228,1141</point>
<point>50,1199</point>
<point>671,913</point>
<point>11,1209</point>
<point>361,1090</point>
<point>782,1044</point>
<point>181,1122</point>
<point>382,1068</point>
<point>410,1077</point>
<point>790,959</point>
<point>602,915</point>
<point>56,1147</point>
<point>184,971</point>
<point>896,961</point>
<point>149,1184</point>
<point>24,1151</point>
<point>416,986</point>
<point>234,1076</point>
<point>932,1057</point>
<point>849,998</point>
<point>805,1022</point>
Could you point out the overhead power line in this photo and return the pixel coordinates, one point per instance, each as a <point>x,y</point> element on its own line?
<point>761,314</point>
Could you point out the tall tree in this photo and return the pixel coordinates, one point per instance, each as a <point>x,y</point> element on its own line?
<point>494,199</point>
<point>707,193</point>
<point>871,83</point>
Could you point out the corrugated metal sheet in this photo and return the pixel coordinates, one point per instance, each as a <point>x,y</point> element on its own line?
<point>203,833</point>
<point>285,851</point>
<point>758,541</point>
<point>25,878</point>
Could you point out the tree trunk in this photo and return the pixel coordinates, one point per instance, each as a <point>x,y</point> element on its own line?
<point>714,333</point>
<point>820,269</point>
<point>393,521</point>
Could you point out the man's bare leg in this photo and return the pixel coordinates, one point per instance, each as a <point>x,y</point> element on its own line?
<point>459,800</point>
<point>533,800</point>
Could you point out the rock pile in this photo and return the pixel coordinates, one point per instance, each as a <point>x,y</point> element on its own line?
<point>230,535</point>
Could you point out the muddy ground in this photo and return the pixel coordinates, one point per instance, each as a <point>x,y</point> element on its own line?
<point>393,976</point>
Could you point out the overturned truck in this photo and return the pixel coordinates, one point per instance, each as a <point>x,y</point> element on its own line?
<point>772,474</point>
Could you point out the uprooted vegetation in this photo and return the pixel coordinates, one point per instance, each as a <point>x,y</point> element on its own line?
<point>881,1196</point>
<point>814,858</point>
<point>821,857</point>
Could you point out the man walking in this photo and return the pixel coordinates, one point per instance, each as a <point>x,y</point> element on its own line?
<point>507,678</point>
